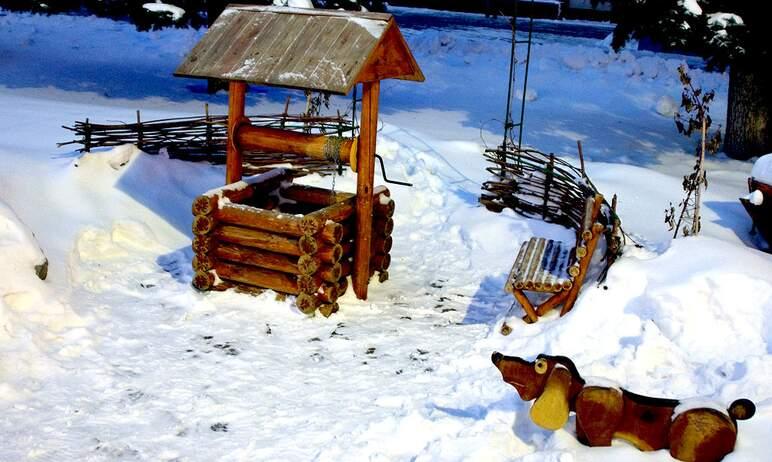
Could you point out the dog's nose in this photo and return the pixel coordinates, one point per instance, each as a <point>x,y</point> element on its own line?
<point>496,357</point>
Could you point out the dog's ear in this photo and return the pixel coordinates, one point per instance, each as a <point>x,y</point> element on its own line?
<point>550,410</point>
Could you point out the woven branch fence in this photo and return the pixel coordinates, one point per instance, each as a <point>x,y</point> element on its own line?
<point>204,138</point>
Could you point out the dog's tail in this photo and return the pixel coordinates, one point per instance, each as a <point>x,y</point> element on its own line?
<point>742,409</point>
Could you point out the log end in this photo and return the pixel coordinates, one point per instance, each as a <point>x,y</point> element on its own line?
<point>307,244</point>
<point>203,224</point>
<point>306,303</point>
<point>203,280</point>
<point>328,309</point>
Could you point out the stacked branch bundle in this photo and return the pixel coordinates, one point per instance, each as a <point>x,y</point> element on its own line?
<point>265,232</point>
<point>204,138</point>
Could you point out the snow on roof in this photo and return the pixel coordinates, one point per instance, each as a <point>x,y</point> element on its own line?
<point>302,48</point>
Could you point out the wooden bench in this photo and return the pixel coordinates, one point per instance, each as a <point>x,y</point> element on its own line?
<point>549,266</point>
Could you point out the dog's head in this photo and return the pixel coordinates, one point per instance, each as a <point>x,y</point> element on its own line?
<point>552,380</point>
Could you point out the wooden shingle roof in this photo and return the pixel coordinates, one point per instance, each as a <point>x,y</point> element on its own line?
<point>301,48</point>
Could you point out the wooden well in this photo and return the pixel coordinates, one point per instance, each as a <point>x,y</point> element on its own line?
<point>266,232</point>
<point>328,51</point>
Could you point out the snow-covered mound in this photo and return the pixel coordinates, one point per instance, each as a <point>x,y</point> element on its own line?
<point>33,322</point>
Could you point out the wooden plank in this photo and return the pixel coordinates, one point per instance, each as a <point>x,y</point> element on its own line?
<point>203,51</point>
<point>219,45</point>
<point>390,59</point>
<point>364,198</point>
<point>241,60</point>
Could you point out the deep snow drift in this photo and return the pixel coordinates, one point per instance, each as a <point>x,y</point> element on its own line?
<point>115,357</point>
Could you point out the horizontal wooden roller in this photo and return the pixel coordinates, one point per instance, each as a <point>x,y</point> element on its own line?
<point>266,220</point>
<point>303,265</point>
<point>258,277</point>
<point>266,241</point>
<point>321,147</point>
<point>313,195</point>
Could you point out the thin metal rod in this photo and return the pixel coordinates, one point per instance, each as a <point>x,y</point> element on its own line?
<point>525,83</point>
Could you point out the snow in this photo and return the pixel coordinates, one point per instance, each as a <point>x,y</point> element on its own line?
<point>372,26</point>
<point>691,6</point>
<point>115,357</point>
<point>667,106</point>
<point>755,198</point>
<point>159,7</point>
<point>724,19</point>
<point>294,3</point>
<point>762,169</point>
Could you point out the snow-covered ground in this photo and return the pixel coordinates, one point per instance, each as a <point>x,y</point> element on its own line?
<point>115,357</point>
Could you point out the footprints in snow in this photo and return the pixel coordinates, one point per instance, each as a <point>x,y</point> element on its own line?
<point>225,348</point>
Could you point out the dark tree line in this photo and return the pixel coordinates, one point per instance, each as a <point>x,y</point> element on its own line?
<point>197,12</point>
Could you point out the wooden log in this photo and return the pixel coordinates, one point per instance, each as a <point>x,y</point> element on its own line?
<point>581,251</point>
<point>587,219</point>
<point>203,224</point>
<point>330,273</point>
<point>523,269</point>
<point>331,233</point>
<point>338,212</point>
<point>306,303</point>
<point>201,244</point>
<point>203,280</point>
<point>535,263</point>
<point>236,96</point>
<point>258,277</point>
<point>364,198</point>
<point>202,262</point>
<point>308,284</point>
<point>204,205</point>
<point>380,262</point>
<point>383,276</point>
<point>551,303</point>
<point>313,195</point>
<point>346,267</point>
<point>510,284</point>
<point>381,245</point>
<point>573,270</point>
<point>342,286</point>
<point>529,309</point>
<point>384,208</point>
<point>329,253</point>
<point>383,226</point>
<point>320,147</point>
<point>303,265</point>
<point>327,293</point>
<point>327,309</point>
<point>266,220</point>
<point>266,241</point>
<point>573,292</point>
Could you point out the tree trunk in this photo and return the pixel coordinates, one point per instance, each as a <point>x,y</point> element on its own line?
<point>748,111</point>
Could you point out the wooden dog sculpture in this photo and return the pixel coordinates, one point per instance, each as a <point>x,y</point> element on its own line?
<point>602,413</point>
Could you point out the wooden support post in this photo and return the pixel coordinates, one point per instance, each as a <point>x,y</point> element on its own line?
<point>237,91</point>
<point>365,172</point>
<point>529,309</point>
